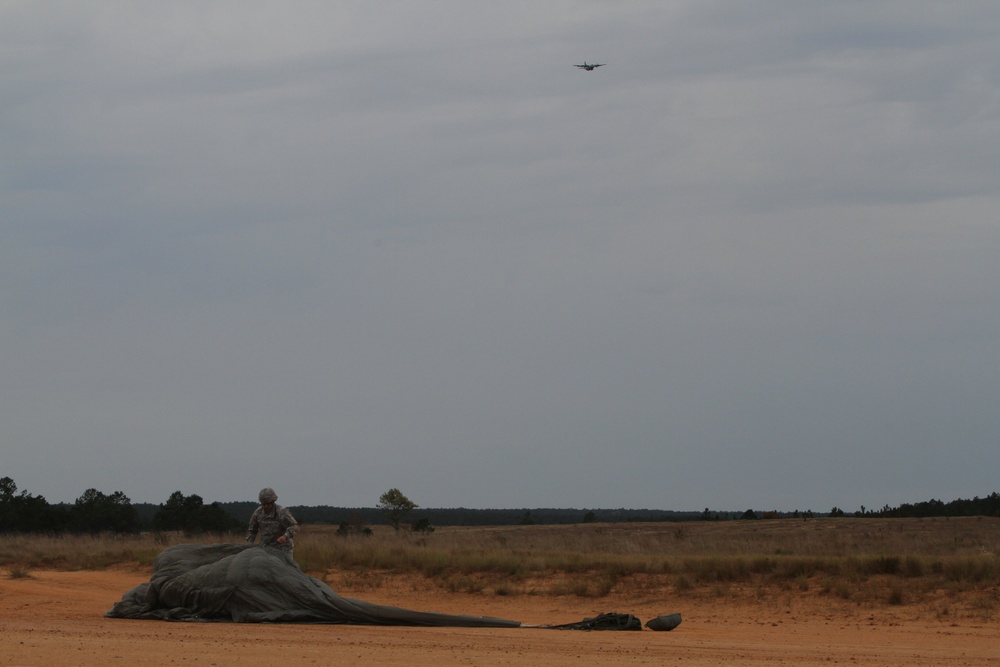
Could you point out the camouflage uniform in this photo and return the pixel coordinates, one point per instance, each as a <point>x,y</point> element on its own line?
<point>272,525</point>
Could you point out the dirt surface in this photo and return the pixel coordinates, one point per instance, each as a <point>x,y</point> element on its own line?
<point>53,618</point>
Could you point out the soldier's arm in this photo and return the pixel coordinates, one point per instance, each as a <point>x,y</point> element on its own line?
<point>291,523</point>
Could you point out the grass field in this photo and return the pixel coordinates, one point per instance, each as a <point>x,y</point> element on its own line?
<point>882,561</point>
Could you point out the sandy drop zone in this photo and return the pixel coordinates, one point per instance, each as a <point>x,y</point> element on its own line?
<point>55,618</point>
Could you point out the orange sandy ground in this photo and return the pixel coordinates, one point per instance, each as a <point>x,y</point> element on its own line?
<point>56,618</point>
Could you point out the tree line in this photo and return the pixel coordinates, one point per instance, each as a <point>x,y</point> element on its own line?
<point>97,512</point>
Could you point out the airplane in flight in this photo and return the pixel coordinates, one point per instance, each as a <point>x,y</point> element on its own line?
<point>588,67</point>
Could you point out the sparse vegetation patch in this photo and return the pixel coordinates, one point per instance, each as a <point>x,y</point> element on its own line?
<point>896,562</point>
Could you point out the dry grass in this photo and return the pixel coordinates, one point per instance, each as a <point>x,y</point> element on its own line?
<point>886,561</point>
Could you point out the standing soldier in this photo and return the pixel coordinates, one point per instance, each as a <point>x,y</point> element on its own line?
<point>274,523</point>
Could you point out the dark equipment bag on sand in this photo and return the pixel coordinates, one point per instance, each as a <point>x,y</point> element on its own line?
<point>609,621</point>
<point>664,623</point>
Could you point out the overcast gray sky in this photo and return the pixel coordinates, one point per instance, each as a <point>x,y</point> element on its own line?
<point>338,247</point>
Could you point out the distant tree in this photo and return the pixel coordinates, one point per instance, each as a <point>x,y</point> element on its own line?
<point>395,506</point>
<point>171,515</point>
<point>422,526</point>
<point>589,517</point>
<point>527,519</point>
<point>355,525</point>
<point>95,512</point>
<point>25,513</point>
<point>749,514</point>
<point>190,515</point>
<point>7,489</point>
<point>38,516</point>
<point>836,512</point>
<point>214,518</point>
<point>9,520</point>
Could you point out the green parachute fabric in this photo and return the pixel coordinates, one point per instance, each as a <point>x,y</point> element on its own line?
<point>256,584</point>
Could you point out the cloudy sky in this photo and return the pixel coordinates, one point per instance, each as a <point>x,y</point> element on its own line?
<point>338,247</point>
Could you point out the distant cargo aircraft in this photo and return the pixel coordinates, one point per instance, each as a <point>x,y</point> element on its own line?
<point>589,68</point>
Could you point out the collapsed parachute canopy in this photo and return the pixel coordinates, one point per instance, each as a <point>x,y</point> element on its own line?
<point>253,584</point>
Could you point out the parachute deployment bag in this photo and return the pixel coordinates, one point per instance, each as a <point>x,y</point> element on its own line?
<point>609,621</point>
